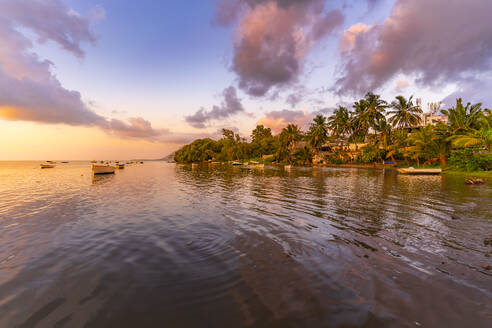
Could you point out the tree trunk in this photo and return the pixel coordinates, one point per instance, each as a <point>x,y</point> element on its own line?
<point>442,158</point>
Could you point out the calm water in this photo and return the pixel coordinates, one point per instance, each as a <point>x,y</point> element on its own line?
<point>165,245</point>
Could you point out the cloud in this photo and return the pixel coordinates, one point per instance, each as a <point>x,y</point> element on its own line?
<point>413,42</point>
<point>231,105</point>
<point>28,89</point>
<point>136,128</point>
<point>401,84</point>
<point>277,120</point>
<point>50,20</point>
<point>273,38</point>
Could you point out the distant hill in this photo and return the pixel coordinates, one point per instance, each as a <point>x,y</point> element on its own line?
<point>168,158</point>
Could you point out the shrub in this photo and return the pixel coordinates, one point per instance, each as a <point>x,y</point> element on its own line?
<point>468,160</point>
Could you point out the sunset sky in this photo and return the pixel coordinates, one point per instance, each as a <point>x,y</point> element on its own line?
<point>104,79</point>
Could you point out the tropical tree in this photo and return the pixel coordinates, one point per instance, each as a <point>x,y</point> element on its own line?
<point>368,113</point>
<point>288,137</point>
<point>260,133</point>
<point>404,113</point>
<point>441,138</point>
<point>339,122</point>
<point>318,132</point>
<point>423,145</point>
<point>398,145</point>
<point>474,138</point>
<point>464,118</point>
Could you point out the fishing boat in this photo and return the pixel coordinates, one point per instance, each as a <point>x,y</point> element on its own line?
<point>102,169</point>
<point>411,170</point>
<point>64,162</point>
<point>120,166</point>
<point>47,166</point>
<point>93,161</point>
<point>51,162</point>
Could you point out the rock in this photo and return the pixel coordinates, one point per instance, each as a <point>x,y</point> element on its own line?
<point>454,217</point>
<point>473,181</point>
<point>189,243</point>
<point>486,266</point>
<point>487,241</point>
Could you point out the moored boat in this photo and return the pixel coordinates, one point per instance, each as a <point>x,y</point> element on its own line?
<point>411,170</point>
<point>287,167</point>
<point>236,163</point>
<point>47,166</point>
<point>120,166</point>
<point>102,169</point>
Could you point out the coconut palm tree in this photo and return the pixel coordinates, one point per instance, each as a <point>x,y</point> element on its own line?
<point>318,132</point>
<point>398,145</point>
<point>464,118</point>
<point>423,146</point>
<point>289,135</point>
<point>474,138</point>
<point>375,109</point>
<point>368,113</point>
<point>339,122</point>
<point>404,113</point>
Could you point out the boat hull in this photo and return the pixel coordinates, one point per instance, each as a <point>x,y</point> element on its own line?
<point>47,166</point>
<point>103,169</point>
<point>420,171</point>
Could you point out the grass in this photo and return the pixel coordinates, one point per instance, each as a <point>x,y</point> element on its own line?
<point>471,174</point>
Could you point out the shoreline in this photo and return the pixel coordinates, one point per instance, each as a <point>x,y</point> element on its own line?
<point>469,174</point>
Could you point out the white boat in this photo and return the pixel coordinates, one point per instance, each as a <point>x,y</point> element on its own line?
<point>102,169</point>
<point>411,170</point>
<point>236,163</point>
<point>47,166</point>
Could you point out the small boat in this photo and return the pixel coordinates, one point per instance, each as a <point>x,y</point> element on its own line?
<point>194,164</point>
<point>65,162</point>
<point>120,166</point>
<point>93,161</point>
<point>287,167</point>
<point>47,166</point>
<point>259,166</point>
<point>236,163</point>
<point>51,162</point>
<point>412,170</point>
<point>141,162</point>
<point>102,169</point>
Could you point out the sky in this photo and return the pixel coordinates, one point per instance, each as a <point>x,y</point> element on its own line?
<point>122,79</point>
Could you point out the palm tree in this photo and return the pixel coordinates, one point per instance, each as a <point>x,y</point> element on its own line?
<point>339,122</point>
<point>318,132</point>
<point>464,118</point>
<point>398,144</point>
<point>376,108</point>
<point>481,137</point>
<point>405,113</point>
<point>441,138</point>
<point>289,135</point>
<point>368,112</point>
<point>422,144</point>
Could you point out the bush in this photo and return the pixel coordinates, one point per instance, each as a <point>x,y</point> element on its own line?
<point>468,160</point>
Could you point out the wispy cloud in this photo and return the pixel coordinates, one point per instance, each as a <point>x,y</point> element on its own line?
<point>230,105</point>
<point>28,89</point>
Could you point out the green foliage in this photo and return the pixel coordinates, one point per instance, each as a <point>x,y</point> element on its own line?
<point>260,133</point>
<point>404,113</point>
<point>469,160</point>
<point>469,126</point>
